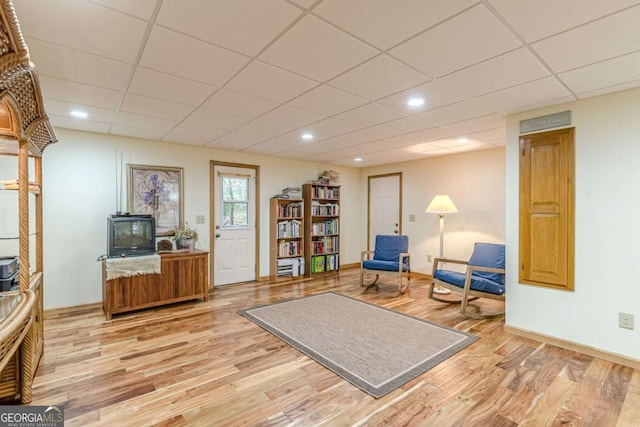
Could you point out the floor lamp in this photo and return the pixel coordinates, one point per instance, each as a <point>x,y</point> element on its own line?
<point>441,205</point>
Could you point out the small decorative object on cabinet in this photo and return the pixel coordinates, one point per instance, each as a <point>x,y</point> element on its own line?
<point>322,229</point>
<point>287,239</point>
<point>25,131</point>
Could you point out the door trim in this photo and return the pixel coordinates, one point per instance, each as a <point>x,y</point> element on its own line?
<point>386,175</point>
<point>212,199</point>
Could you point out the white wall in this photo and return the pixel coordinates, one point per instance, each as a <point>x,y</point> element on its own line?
<point>80,191</point>
<point>607,202</point>
<point>475,181</point>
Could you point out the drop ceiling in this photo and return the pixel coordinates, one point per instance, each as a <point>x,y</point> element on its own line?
<point>254,75</point>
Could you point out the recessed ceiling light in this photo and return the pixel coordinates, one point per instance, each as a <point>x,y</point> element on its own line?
<point>307,136</point>
<point>357,159</point>
<point>415,102</point>
<point>462,140</point>
<point>79,114</point>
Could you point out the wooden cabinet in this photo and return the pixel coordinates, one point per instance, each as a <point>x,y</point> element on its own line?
<point>322,227</point>
<point>184,276</point>
<point>286,239</point>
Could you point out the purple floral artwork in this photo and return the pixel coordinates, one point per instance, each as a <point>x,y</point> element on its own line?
<point>157,191</point>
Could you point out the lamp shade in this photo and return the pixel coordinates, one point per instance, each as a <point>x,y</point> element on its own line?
<point>441,204</point>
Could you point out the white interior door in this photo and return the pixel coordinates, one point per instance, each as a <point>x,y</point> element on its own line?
<point>384,206</point>
<point>234,225</point>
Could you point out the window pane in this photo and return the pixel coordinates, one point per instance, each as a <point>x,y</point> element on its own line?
<point>235,214</point>
<point>235,189</point>
<point>240,214</point>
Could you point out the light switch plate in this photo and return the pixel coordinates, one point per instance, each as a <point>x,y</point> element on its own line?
<point>199,219</point>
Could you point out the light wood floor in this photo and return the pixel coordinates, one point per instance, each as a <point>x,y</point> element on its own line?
<point>203,364</point>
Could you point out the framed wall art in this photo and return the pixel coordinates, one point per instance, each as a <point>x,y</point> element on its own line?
<point>157,191</point>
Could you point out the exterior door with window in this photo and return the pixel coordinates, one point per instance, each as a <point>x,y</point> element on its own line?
<point>234,225</point>
<point>385,206</point>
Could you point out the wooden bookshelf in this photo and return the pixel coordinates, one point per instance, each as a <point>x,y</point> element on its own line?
<point>286,247</point>
<point>322,228</point>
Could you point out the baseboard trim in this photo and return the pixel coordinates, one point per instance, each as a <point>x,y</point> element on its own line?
<point>570,345</point>
<point>420,275</point>
<point>350,265</point>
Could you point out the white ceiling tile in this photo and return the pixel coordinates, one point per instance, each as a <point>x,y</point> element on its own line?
<point>534,20</point>
<point>520,97</point>
<point>385,23</point>
<point>155,84</point>
<point>63,109</point>
<point>435,93</point>
<point>194,133</point>
<point>78,93</point>
<point>184,56</point>
<point>239,104</point>
<point>178,138</point>
<point>445,48</point>
<point>292,117</point>
<point>614,88</point>
<point>423,147</point>
<point>506,70</point>
<point>317,50</point>
<point>245,26</point>
<point>327,100</point>
<point>303,3</point>
<point>68,64</point>
<point>473,146</point>
<point>71,123</point>
<point>215,119</point>
<point>371,114</point>
<point>265,148</point>
<point>82,25</point>
<point>615,71</point>
<point>490,135</point>
<point>478,124</point>
<point>452,143</point>
<point>330,127</point>
<point>259,127</point>
<point>135,132</point>
<point>140,8</point>
<point>381,76</point>
<point>279,144</point>
<point>236,141</point>
<point>464,110</point>
<point>268,82</point>
<point>144,122</point>
<point>421,136</point>
<point>145,106</point>
<point>602,39</point>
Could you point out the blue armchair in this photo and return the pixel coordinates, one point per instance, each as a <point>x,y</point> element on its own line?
<point>390,256</point>
<point>484,278</point>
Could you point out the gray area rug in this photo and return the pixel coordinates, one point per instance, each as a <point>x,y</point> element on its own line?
<point>374,348</point>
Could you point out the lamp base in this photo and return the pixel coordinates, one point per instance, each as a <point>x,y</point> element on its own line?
<point>440,290</point>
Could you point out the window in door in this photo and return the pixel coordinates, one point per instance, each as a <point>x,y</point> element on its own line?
<point>235,202</point>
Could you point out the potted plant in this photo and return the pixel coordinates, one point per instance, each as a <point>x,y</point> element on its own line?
<point>186,238</point>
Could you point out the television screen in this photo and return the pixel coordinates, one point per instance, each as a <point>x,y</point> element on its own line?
<point>130,235</point>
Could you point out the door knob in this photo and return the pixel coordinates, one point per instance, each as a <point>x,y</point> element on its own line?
<point>395,231</point>
<point>217,235</point>
<point>218,227</point>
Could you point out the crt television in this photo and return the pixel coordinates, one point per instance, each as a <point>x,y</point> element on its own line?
<point>130,235</point>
